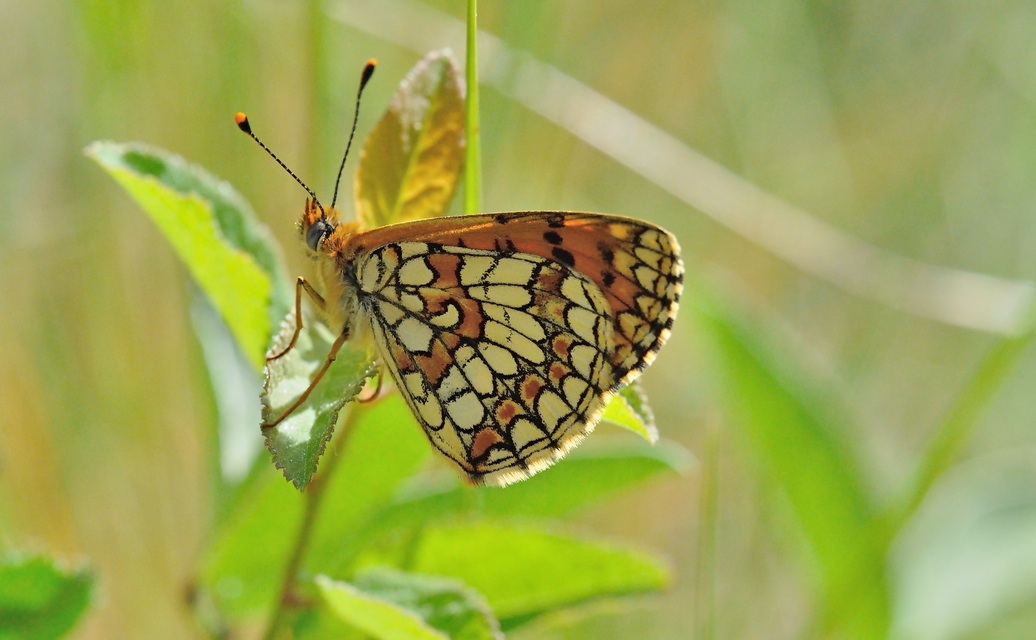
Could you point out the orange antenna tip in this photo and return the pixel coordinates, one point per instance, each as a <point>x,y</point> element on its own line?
<point>368,71</point>
<point>242,123</point>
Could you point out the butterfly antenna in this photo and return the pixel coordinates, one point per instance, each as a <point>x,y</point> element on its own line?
<point>242,124</point>
<point>368,71</point>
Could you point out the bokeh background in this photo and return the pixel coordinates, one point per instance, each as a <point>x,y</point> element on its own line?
<point>869,220</point>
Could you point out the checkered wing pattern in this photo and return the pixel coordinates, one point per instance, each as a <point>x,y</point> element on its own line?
<point>507,333</point>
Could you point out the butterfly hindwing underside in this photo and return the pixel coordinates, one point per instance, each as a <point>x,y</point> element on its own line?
<point>507,333</point>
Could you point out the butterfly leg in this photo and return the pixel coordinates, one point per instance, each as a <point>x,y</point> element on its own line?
<point>317,299</point>
<point>331,355</point>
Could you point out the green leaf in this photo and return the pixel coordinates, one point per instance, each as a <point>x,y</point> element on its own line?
<point>319,622</point>
<point>602,468</point>
<point>298,441</point>
<point>214,231</point>
<point>385,449</point>
<point>599,470</point>
<point>799,446</point>
<point>523,571</point>
<point>629,409</point>
<point>960,421</point>
<point>373,615</point>
<point>39,599</point>
<point>391,604</point>
<point>245,564</point>
<point>411,162</point>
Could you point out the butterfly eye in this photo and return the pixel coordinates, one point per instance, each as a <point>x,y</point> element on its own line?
<point>317,232</point>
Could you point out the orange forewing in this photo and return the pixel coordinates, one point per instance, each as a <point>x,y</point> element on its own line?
<point>635,264</point>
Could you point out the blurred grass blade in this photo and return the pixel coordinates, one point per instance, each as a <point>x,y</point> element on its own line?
<point>214,231</point>
<point>966,562</point>
<point>390,604</point>
<point>961,420</point>
<point>39,599</point>
<point>298,441</point>
<point>524,572</point>
<point>411,161</point>
<point>801,452</point>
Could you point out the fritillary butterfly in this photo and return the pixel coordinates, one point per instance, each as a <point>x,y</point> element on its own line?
<point>506,333</point>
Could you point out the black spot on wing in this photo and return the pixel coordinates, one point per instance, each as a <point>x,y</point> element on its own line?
<point>552,237</point>
<point>563,256</point>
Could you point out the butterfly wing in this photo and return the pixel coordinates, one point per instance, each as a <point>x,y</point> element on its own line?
<point>503,358</point>
<point>507,333</point>
<point>635,264</point>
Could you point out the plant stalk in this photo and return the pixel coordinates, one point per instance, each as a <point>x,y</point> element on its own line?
<point>473,147</point>
<point>313,496</point>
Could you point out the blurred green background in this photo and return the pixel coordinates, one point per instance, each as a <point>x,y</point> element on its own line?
<point>908,126</point>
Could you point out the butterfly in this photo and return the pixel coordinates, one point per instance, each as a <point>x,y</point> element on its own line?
<point>505,333</point>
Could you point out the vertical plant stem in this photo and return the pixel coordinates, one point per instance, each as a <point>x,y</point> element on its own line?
<point>473,149</point>
<point>313,497</point>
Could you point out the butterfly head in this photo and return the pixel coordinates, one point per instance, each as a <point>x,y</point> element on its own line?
<point>317,224</point>
<point>320,228</point>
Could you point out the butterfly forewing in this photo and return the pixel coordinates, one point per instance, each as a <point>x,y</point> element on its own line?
<point>635,264</point>
<point>507,333</point>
